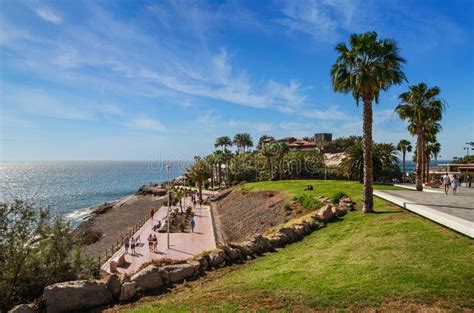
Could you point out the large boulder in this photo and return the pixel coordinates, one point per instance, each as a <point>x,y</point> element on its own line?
<point>325,213</point>
<point>217,257</point>
<point>128,291</point>
<point>76,295</point>
<point>246,248</point>
<point>339,211</point>
<point>196,265</point>
<point>114,285</point>
<point>178,272</point>
<point>205,262</point>
<point>289,233</point>
<point>148,278</point>
<point>277,240</point>
<point>23,308</point>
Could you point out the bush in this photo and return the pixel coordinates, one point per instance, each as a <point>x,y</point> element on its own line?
<point>338,196</point>
<point>36,250</point>
<point>287,207</point>
<point>307,201</point>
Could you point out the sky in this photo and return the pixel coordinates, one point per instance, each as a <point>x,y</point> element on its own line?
<point>146,80</point>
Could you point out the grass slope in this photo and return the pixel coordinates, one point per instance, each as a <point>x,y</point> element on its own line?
<point>366,261</point>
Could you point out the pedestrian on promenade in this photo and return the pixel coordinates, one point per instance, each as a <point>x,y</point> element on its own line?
<point>446,183</point>
<point>193,224</point>
<point>132,245</point>
<point>126,243</point>
<point>455,184</point>
<point>155,243</point>
<point>152,212</point>
<point>150,242</point>
<point>468,181</point>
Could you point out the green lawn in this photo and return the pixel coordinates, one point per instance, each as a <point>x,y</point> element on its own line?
<point>393,259</point>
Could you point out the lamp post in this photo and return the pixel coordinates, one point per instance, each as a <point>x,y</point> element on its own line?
<point>168,170</point>
<point>467,150</point>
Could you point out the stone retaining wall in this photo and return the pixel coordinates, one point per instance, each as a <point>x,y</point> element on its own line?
<point>80,295</point>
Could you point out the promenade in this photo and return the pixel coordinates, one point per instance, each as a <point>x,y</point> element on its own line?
<point>182,245</point>
<point>455,212</point>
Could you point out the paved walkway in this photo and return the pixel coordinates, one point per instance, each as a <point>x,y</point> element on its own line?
<point>182,245</point>
<point>456,212</point>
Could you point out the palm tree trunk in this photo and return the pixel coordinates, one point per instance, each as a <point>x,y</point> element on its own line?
<point>200,190</point>
<point>404,170</point>
<point>368,200</point>
<point>419,161</point>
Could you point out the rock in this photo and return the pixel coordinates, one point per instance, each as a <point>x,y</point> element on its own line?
<point>148,278</point>
<point>165,276</point>
<point>289,233</point>
<point>114,285</point>
<point>276,241</point>
<point>178,272</point>
<point>23,308</point>
<point>325,213</point>
<point>324,199</point>
<point>204,261</point>
<point>128,291</point>
<point>246,248</point>
<point>232,254</point>
<point>262,243</point>
<point>113,267</point>
<point>196,265</point>
<point>121,260</point>
<point>152,190</point>
<point>76,295</point>
<point>216,258</point>
<point>339,211</point>
<point>299,231</point>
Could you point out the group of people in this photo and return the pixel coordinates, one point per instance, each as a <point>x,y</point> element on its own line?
<point>448,182</point>
<point>152,243</point>
<point>131,242</point>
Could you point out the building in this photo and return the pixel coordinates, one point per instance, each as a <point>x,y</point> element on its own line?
<point>322,137</point>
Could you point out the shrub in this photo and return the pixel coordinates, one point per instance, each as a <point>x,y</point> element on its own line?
<point>307,201</point>
<point>287,207</point>
<point>36,250</point>
<point>338,196</point>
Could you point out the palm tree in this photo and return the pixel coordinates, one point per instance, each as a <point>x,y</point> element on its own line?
<point>368,67</point>
<point>243,141</point>
<point>223,142</point>
<point>404,146</point>
<point>268,151</point>
<point>422,108</point>
<point>200,171</point>
<point>281,151</point>
<point>432,150</point>
<point>262,138</point>
<point>219,159</point>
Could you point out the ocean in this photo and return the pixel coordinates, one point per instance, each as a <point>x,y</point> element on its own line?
<point>70,187</point>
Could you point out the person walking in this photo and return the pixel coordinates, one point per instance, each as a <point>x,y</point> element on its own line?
<point>446,183</point>
<point>150,243</point>
<point>455,184</point>
<point>126,243</point>
<point>468,181</point>
<point>152,212</point>
<point>193,224</point>
<point>132,245</point>
<point>155,243</point>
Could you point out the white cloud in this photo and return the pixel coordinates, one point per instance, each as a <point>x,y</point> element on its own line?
<point>48,14</point>
<point>145,123</point>
<point>332,113</point>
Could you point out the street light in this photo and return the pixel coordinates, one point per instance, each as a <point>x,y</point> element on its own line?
<point>168,170</point>
<point>467,150</point>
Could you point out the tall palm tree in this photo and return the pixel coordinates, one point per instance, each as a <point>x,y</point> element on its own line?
<point>404,146</point>
<point>243,141</point>
<point>223,142</point>
<point>432,150</point>
<point>200,171</point>
<point>422,108</point>
<point>369,66</point>
<point>282,150</point>
<point>219,159</point>
<point>268,151</point>
<point>262,138</point>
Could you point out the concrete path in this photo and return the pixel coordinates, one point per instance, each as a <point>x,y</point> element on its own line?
<point>455,212</point>
<point>182,245</point>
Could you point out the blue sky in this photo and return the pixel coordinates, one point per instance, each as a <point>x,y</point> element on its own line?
<point>141,80</point>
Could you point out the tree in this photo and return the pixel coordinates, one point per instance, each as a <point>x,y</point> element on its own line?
<point>385,161</point>
<point>307,138</point>
<point>404,146</point>
<point>281,151</point>
<point>200,171</point>
<point>268,151</point>
<point>243,141</point>
<point>422,108</point>
<point>223,142</point>
<point>36,250</point>
<point>432,150</point>
<point>367,68</point>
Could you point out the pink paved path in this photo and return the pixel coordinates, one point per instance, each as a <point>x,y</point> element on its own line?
<point>182,245</point>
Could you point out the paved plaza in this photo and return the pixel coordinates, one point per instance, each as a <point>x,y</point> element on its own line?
<point>182,245</point>
<point>456,212</point>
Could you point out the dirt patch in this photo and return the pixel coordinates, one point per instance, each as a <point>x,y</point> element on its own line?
<point>242,214</point>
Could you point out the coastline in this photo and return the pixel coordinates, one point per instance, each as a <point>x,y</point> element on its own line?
<point>104,224</point>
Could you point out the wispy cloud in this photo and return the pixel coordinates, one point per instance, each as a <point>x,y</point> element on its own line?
<point>145,123</point>
<point>332,113</point>
<point>48,14</point>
